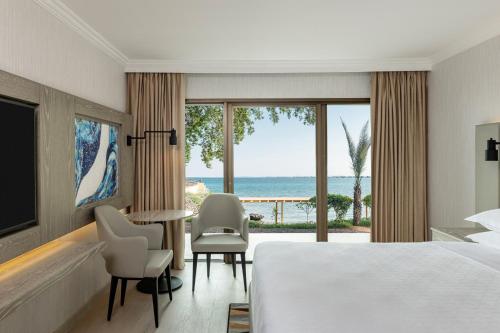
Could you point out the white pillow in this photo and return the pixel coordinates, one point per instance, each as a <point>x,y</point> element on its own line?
<point>489,219</point>
<point>488,238</point>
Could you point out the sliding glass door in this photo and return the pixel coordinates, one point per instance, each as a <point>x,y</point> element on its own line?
<point>290,163</point>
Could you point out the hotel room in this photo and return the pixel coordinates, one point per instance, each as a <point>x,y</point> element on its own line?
<point>250,166</point>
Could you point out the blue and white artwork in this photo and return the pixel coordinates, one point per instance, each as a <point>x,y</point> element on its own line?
<point>96,161</point>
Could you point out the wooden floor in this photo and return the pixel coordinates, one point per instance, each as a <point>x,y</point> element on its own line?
<point>204,311</point>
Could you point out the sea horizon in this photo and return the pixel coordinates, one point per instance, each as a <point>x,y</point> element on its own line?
<point>284,186</point>
<point>191,177</point>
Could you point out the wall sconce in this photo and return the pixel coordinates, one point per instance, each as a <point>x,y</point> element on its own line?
<point>172,140</point>
<point>491,150</point>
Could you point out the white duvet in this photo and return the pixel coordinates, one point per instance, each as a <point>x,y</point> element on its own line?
<point>375,288</point>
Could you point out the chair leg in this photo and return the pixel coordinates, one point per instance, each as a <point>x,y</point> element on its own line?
<point>155,300</point>
<point>112,292</point>
<point>123,290</point>
<point>244,268</point>
<point>195,263</point>
<point>233,261</point>
<point>169,281</point>
<point>208,265</point>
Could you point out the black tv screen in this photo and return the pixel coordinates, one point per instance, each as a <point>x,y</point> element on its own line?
<point>17,166</point>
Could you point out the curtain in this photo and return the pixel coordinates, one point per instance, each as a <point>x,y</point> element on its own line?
<point>156,102</point>
<point>399,156</point>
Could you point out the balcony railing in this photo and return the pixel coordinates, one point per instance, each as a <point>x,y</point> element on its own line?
<point>279,201</point>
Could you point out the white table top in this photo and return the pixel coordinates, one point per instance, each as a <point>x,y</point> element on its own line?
<point>159,215</point>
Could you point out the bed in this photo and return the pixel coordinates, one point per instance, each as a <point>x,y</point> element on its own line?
<point>387,288</point>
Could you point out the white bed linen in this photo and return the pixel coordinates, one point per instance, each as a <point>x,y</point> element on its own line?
<point>387,288</point>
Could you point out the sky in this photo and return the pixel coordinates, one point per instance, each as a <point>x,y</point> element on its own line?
<point>287,149</point>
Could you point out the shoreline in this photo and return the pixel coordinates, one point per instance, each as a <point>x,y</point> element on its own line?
<point>283,230</point>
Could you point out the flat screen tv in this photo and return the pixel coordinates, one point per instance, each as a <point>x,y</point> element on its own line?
<point>18,172</point>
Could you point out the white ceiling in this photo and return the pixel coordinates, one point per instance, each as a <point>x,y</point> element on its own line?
<point>281,35</point>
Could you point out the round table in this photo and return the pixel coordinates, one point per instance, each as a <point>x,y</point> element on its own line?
<point>160,216</point>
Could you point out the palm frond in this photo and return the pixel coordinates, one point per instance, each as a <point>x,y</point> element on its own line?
<point>358,153</point>
<point>350,143</point>
<point>362,150</point>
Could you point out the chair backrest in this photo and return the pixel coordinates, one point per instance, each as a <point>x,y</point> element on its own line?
<point>114,229</point>
<point>221,210</point>
<point>110,220</point>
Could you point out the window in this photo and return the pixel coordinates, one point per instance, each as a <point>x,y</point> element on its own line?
<point>349,170</point>
<point>271,155</point>
<point>275,169</point>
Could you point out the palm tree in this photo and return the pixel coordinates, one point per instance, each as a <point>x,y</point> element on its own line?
<point>358,159</point>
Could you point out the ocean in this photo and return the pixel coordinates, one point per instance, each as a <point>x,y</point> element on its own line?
<point>285,187</point>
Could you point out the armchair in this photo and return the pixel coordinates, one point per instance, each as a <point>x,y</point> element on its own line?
<point>220,210</point>
<point>132,252</point>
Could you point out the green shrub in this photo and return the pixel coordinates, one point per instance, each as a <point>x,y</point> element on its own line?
<point>365,222</point>
<point>307,207</point>
<point>336,224</point>
<point>333,224</point>
<point>340,204</point>
<point>194,200</point>
<point>367,201</point>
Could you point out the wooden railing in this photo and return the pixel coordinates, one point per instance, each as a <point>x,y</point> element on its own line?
<point>276,200</point>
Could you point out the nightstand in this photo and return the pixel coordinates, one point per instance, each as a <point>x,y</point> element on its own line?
<point>450,234</point>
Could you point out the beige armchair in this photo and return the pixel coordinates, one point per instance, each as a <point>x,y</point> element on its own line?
<point>224,211</point>
<point>133,252</point>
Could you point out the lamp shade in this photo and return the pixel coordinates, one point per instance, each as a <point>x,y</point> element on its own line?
<point>491,152</point>
<point>173,137</point>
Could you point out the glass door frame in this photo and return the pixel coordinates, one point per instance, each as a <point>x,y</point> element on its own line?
<point>321,146</point>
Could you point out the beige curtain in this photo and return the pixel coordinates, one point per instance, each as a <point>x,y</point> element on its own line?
<point>156,102</point>
<point>399,157</point>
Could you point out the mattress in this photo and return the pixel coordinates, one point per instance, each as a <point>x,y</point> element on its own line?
<point>390,288</point>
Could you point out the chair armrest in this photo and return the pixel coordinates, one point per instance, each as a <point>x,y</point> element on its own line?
<point>195,229</point>
<point>127,256</point>
<point>153,233</point>
<point>244,228</point>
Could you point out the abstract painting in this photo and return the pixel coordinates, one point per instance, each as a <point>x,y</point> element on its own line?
<point>96,161</point>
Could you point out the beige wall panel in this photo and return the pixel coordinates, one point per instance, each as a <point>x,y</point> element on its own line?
<point>19,88</point>
<point>55,191</point>
<point>13,245</point>
<point>57,214</point>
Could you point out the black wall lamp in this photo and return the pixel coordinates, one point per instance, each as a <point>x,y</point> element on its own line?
<point>172,140</point>
<point>491,150</point>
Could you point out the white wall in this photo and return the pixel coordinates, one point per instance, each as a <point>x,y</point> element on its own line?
<point>464,91</point>
<point>36,45</point>
<point>328,85</point>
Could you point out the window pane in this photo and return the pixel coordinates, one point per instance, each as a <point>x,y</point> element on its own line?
<point>204,150</point>
<point>274,169</point>
<point>349,171</point>
<point>204,157</point>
